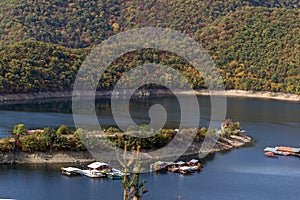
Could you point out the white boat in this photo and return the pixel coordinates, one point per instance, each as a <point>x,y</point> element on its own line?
<point>71,171</point>
<point>185,170</point>
<point>101,169</point>
<point>93,173</point>
<point>195,165</point>
<point>180,163</point>
<point>98,165</point>
<point>194,168</point>
<point>115,175</point>
<point>95,170</point>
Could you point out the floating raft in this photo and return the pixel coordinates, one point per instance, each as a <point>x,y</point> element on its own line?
<point>285,151</point>
<point>177,167</point>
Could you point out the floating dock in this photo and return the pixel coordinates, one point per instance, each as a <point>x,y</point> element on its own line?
<point>283,151</point>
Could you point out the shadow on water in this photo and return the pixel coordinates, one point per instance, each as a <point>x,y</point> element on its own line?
<point>56,105</point>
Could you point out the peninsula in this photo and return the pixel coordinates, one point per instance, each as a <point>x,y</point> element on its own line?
<point>64,145</point>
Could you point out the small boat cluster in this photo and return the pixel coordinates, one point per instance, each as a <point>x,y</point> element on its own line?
<point>101,169</point>
<point>283,151</point>
<point>95,170</point>
<point>177,167</point>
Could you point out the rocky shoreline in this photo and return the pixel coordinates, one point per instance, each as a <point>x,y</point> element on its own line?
<point>60,157</point>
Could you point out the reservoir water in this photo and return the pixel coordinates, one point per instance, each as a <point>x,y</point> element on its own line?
<point>243,173</point>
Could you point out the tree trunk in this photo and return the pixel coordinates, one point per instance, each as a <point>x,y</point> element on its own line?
<point>136,198</point>
<point>125,195</point>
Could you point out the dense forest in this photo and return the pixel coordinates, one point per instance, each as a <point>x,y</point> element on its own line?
<point>254,43</point>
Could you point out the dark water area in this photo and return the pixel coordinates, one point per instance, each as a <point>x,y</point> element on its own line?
<point>244,173</point>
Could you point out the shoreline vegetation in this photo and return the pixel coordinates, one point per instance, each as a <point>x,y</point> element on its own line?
<point>63,145</point>
<point>5,98</point>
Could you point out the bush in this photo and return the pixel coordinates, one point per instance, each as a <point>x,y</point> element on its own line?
<point>19,129</point>
<point>111,130</point>
<point>6,145</point>
<point>50,136</point>
<point>78,143</point>
<point>229,127</point>
<point>63,130</point>
<point>35,142</point>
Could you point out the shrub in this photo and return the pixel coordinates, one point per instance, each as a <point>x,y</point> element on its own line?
<point>63,130</point>
<point>6,145</point>
<point>19,129</point>
<point>35,142</point>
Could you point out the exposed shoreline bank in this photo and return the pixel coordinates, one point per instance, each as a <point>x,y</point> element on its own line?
<point>10,98</point>
<point>227,143</point>
<point>56,157</point>
<point>254,94</point>
<point>63,157</point>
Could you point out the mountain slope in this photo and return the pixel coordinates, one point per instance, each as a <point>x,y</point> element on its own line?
<point>32,66</point>
<point>257,48</point>
<point>253,42</point>
<point>79,24</point>
<point>67,23</point>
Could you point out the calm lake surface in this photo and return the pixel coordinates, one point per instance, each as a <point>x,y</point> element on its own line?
<point>244,173</point>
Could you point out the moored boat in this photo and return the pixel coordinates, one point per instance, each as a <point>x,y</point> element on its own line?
<point>185,170</point>
<point>195,165</point>
<point>71,171</point>
<point>100,166</point>
<point>93,173</point>
<point>159,166</point>
<point>172,167</point>
<point>184,167</point>
<point>97,170</point>
<point>115,175</point>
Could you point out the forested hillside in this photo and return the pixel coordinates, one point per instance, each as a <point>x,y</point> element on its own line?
<point>32,66</point>
<point>255,43</point>
<point>257,48</point>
